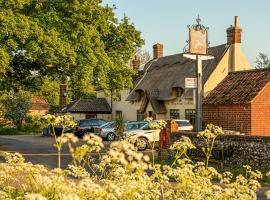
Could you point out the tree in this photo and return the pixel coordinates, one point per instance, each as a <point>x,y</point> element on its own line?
<point>144,55</point>
<point>262,61</point>
<point>80,42</point>
<point>50,91</point>
<point>15,106</point>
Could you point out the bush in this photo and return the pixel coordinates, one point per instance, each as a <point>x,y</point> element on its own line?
<point>15,106</point>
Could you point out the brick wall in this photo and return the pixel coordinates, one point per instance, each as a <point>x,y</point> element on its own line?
<point>229,117</point>
<point>260,113</point>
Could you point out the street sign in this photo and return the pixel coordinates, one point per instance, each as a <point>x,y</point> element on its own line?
<point>190,82</point>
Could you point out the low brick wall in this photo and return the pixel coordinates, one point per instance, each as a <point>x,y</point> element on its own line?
<point>239,149</point>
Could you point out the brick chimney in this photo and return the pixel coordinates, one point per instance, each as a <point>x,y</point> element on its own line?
<point>136,62</point>
<point>157,51</point>
<point>234,33</point>
<point>63,95</point>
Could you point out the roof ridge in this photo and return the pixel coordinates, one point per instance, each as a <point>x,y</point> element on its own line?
<point>184,53</point>
<point>250,70</point>
<point>74,103</point>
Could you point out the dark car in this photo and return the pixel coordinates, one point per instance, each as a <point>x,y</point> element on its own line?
<point>86,126</point>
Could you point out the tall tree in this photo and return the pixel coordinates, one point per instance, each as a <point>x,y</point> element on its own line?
<point>262,61</point>
<point>78,41</point>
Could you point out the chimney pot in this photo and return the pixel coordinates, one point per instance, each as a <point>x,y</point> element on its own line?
<point>157,50</point>
<point>236,21</point>
<point>136,62</point>
<point>234,33</point>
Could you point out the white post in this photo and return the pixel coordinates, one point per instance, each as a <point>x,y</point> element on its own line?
<point>199,94</point>
<point>199,90</point>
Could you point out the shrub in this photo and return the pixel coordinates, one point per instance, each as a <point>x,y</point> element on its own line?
<point>15,106</point>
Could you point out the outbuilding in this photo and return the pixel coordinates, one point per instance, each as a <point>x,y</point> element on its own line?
<point>241,102</point>
<point>86,108</point>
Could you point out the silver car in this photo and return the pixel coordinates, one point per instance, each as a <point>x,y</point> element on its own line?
<point>107,131</point>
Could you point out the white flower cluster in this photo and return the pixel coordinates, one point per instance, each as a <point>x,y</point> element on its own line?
<point>156,124</point>
<point>62,120</point>
<point>67,137</point>
<point>125,154</point>
<point>94,142</point>
<point>211,131</point>
<point>126,175</point>
<point>182,145</point>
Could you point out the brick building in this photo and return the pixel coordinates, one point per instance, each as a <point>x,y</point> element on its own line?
<point>39,106</point>
<point>241,102</point>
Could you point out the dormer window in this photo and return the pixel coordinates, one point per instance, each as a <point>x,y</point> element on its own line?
<point>177,92</point>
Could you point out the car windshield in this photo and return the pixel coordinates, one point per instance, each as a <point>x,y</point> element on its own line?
<point>132,126</point>
<point>145,127</point>
<point>91,122</point>
<point>108,125</point>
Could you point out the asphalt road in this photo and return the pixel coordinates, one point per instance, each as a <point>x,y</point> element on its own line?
<point>40,150</point>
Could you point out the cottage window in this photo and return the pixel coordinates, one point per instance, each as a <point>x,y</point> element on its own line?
<point>190,115</point>
<point>118,114</point>
<point>140,116</point>
<point>174,114</point>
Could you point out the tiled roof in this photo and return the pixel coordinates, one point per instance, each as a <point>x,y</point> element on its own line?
<point>89,105</point>
<point>39,103</point>
<point>239,87</point>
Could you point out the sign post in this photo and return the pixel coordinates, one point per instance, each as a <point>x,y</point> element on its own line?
<point>198,46</point>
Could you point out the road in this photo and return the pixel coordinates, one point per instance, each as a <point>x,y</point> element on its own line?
<point>37,149</point>
<point>40,150</point>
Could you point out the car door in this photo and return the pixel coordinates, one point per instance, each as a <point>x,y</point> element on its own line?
<point>152,135</point>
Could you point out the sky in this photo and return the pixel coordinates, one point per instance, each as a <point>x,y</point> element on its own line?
<point>165,21</point>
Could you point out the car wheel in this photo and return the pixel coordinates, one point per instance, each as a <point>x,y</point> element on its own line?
<point>141,144</point>
<point>110,137</point>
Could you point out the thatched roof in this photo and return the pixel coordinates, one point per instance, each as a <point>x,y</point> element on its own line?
<point>161,76</point>
<point>239,87</point>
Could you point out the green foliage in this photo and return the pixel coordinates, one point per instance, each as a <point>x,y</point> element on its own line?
<point>33,124</point>
<point>81,42</point>
<point>119,126</point>
<point>15,106</point>
<point>50,91</point>
<point>262,61</point>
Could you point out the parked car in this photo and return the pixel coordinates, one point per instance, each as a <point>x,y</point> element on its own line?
<point>107,131</point>
<point>184,125</point>
<point>86,126</point>
<point>58,130</point>
<point>143,136</point>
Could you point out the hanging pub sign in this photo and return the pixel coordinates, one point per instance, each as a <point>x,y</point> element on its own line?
<point>198,41</point>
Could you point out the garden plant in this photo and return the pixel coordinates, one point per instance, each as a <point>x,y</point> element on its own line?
<point>121,173</point>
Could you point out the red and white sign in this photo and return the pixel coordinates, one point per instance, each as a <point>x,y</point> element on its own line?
<point>190,82</point>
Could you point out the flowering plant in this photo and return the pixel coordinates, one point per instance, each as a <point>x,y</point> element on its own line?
<point>209,135</point>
